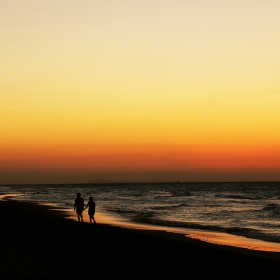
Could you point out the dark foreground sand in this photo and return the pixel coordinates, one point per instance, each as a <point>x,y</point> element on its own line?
<point>38,243</point>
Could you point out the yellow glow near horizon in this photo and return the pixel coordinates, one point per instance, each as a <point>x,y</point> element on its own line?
<point>159,85</point>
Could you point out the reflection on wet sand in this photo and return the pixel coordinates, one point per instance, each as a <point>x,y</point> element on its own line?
<point>203,235</point>
<point>10,195</point>
<point>233,240</point>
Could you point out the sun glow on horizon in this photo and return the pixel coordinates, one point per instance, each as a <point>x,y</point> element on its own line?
<point>127,87</point>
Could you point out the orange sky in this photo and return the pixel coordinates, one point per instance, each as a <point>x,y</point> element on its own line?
<point>129,91</point>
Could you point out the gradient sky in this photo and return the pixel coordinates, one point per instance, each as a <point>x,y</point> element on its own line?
<point>130,90</point>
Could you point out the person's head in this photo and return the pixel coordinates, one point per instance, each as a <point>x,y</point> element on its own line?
<point>78,195</point>
<point>90,198</point>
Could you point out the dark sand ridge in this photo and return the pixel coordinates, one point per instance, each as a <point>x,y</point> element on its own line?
<point>37,243</point>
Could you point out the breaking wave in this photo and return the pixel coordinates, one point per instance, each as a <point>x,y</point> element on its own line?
<point>147,218</point>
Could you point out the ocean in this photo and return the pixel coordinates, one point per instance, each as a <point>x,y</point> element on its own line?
<point>242,209</point>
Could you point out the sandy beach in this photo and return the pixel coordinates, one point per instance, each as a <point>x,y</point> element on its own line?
<point>39,243</point>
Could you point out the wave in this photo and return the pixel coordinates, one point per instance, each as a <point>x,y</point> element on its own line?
<point>166,207</point>
<point>133,197</point>
<point>238,201</point>
<point>180,194</point>
<point>143,215</point>
<point>137,194</point>
<point>237,196</point>
<point>147,218</point>
<point>127,213</point>
<point>162,196</point>
<point>173,194</point>
<point>272,207</point>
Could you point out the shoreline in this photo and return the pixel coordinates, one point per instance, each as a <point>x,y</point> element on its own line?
<point>213,237</point>
<point>38,243</point>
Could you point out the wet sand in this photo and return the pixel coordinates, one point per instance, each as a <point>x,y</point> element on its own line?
<point>220,238</point>
<point>38,243</point>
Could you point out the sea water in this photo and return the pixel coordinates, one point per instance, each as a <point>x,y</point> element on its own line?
<point>242,209</point>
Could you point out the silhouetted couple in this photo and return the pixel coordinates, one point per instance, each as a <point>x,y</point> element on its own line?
<point>79,207</point>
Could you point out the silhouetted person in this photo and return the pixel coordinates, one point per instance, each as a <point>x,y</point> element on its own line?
<point>79,207</point>
<point>91,209</point>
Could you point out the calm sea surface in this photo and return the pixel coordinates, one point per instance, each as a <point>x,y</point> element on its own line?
<point>245,209</point>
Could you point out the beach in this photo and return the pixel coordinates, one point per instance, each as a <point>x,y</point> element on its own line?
<point>40,243</point>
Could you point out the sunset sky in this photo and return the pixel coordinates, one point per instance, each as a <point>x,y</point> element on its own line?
<point>130,90</point>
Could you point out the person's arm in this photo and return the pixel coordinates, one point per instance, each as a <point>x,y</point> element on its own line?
<point>86,207</point>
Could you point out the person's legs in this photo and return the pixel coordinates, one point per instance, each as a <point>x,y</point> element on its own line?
<point>80,214</point>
